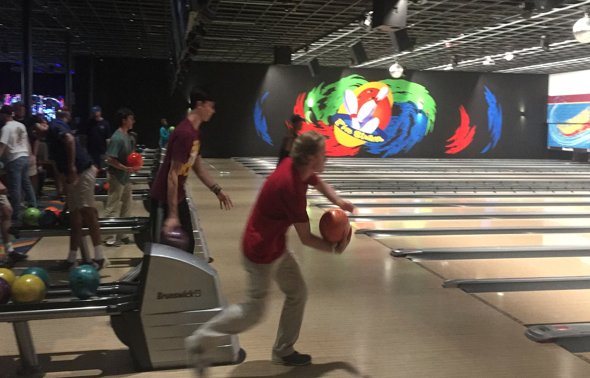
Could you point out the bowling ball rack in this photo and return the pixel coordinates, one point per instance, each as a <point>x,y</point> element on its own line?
<point>142,310</point>
<point>139,226</point>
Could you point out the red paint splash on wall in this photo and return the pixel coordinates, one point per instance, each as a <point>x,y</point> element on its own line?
<point>333,148</point>
<point>463,135</point>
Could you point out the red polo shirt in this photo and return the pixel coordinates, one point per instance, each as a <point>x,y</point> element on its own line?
<point>281,203</point>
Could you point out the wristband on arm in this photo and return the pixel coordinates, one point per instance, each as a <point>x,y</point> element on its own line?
<point>216,189</point>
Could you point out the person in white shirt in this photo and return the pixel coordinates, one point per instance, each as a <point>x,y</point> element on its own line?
<point>15,142</point>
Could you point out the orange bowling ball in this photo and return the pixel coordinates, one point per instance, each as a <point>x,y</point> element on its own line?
<point>54,209</point>
<point>106,187</point>
<point>334,225</point>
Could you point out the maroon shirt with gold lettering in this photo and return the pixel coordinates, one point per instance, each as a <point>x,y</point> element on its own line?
<point>184,145</point>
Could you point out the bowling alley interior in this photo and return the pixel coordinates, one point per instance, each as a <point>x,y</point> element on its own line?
<point>181,182</point>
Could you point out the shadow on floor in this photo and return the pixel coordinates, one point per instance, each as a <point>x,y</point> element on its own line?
<point>253,369</point>
<point>98,363</point>
<point>106,363</point>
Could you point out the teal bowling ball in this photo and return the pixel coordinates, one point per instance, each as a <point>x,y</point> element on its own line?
<point>31,216</point>
<point>39,272</point>
<point>84,281</point>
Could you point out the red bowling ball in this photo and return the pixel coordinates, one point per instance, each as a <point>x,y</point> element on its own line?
<point>135,160</point>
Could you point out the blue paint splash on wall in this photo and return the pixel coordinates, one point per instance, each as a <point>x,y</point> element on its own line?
<point>260,121</point>
<point>403,131</point>
<point>494,119</point>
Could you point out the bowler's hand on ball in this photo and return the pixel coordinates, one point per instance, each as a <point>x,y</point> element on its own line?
<point>340,247</point>
<point>224,201</point>
<point>170,224</point>
<point>346,206</point>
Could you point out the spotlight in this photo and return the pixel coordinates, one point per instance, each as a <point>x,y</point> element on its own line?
<point>367,21</point>
<point>396,70</point>
<point>509,56</point>
<point>488,61</point>
<point>582,29</point>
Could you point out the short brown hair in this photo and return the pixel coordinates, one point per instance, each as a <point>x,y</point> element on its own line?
<point>306,145</point>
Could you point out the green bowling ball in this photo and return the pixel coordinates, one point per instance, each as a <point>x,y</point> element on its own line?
<point>31,216</point>
<point>171,128</point>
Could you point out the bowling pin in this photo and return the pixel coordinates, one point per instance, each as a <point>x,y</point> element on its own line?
<point>370,126</point>
<point>366,112</point>
<point>351,105</point>
<point>383,92</point>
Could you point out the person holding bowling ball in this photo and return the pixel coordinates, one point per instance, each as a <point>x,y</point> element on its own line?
<point>119,193</point>
<point>74,163</point>
<point>281,203</point>
<point>183,153</point>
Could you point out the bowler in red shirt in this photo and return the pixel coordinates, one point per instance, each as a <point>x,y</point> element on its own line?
<point>281,203</point>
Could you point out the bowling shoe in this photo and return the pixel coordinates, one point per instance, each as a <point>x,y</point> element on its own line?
<point>294,359</point>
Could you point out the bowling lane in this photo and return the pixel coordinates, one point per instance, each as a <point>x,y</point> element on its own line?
<point>475,224</point>
<point>368,211</point>
<point>522,201</point>
<point>470,241</point>
<point>510,268</point>
<point>541,307</point>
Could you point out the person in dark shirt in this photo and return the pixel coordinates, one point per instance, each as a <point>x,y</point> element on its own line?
<point>98,132</point>
<point>292,133</point>
<point>73,162</point>
<point>20,114</point>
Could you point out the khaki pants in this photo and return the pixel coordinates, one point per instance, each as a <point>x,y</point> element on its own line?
<point>120,196</point>
<point>238,318</point>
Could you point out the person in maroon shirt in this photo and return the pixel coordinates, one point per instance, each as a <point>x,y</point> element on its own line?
<point>183,153</point>
<point>281,203</point>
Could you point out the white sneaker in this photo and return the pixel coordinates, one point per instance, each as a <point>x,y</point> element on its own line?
<point>113,243</point>
<point>195,356</point>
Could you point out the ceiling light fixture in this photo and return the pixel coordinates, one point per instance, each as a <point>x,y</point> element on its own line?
<point>396,70</point>
<point>581,29</point>
<point>509,56</point>
<point>488,61</point>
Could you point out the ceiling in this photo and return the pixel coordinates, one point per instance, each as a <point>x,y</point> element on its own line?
<point>469,30</point>
<point>106,28</point>
<point>247,30</point>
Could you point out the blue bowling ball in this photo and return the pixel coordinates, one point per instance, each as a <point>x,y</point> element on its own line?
<point>84,281</point>
<point>39,272</point>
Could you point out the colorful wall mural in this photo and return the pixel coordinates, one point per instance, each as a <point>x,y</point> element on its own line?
<point>568,110</point>
<point>384,118</point>
<point>569,121</point>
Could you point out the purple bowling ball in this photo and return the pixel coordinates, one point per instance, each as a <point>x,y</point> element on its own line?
<point>4,291</point>
<point>176,238</point>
